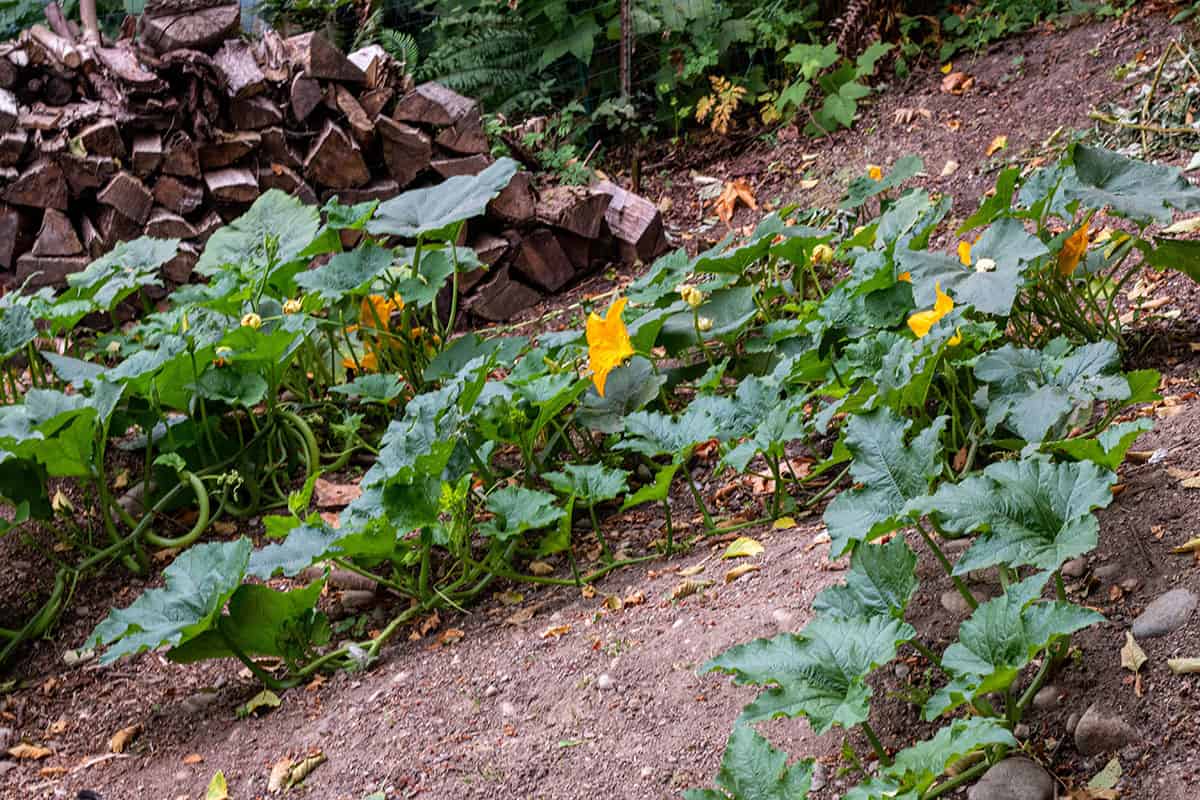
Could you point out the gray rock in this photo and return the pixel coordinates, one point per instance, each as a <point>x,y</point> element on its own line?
<point>1108,572</point>
<point>604,683</point>
<point>1014,779</point>
<point>8,737</point>
<point>1047,698</point>
<point>956,604</point>
<point>1075,568</point>
<point>819,778</point>
<point>198,702</point>
<point>782,617</point>
<point>1072,722</point>
<point>491,691</point>
<point>357,599</point>
<point>902,670</point>
<point>1100,731</point>
<point>1166,614</point>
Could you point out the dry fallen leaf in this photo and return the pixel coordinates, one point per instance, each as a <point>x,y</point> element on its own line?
<point>193,759</point>
<point>635,598</point>
<point>520,617</point>
<point>1190,546</point>
<point>555,631</point>
<point>29,752</point>
<point>279,775</point>
<point>1132,655</point>
<point>689,588</point>
<point>451,636</point>
<point>692,571</point>
<point>743,547</point>
<point>57,728</point>
<point>957,83</point>
<point>540,569</point>
<point>998,144</point>
<point>740,570</point>
<point>335,495</point>
<point>734,191</point>
<point>224,527</point>
<point>121,739</point>
<point>587,591</point>
<point>1182,666</point>
<point>613,603</point>
<point>950,168</point>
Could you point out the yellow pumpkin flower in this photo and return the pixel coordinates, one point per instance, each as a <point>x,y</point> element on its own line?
<point>608,343</point>
<point>964,253</point>
<point>376,310</point>
<point>1072,252</point>
<point>704,324</point>
<point>292,306</point>
<point>874,172</point>
<point>921,322</point>
<point>956,338</point>
<point>691,295</point>
<point>367,362</point>
<point>822,254</point>
<point>905,276</point>
<point>252,320</point>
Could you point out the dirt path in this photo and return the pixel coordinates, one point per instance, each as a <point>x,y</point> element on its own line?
<point>558,697</point>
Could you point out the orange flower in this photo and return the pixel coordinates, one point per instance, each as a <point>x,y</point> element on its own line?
<point>376,310</point>
<point>921,322</point>
<point>964,253</point>
<point>367,362</point>
<point>874,172</point>
<point>1072,252</point>
<point>905,276</point>
<point>608,343</point>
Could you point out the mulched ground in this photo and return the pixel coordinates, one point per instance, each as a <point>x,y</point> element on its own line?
<point>558,697</point>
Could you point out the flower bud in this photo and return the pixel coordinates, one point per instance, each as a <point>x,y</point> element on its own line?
<point>704,324</point>
<point>822,254</point>
<point>292,306</point>
<point>985,265</point>
<point>252,320</point>
<point>113,347</point>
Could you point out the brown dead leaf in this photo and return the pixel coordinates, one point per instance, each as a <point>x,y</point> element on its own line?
<point>905,116</point>
<point>689,588</point>
<point>1132,655</point>
<point>555,631</point>
<point>737,572</point>
<point>57,728</point>
<point>692,571</point>
<point>1190,546</point>
<point>613,603</point>
<point>635,598</point>
<point>193,759</point>
<point>29,752</point>
<point>428,625</point>
<point>335,495</point>
<point>997,144</point>
<point>735,191</point>
<point>957,83</point>
<point>540,569</point>
<point>587,591</point>
<point>52,772</point>
<point>279,775</point>
<point>451,636</point>
<point>953,124</point>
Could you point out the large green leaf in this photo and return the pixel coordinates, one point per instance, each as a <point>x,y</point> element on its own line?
<point>1000,638</point>
<point>752,769</point>
<point>121,271</point>
<point>889,472</point>
<point>629,388</point>
<point>591,483</point>
<point>1139,190</point>
<point>783,423</point>
<point>1040,393</point>
<point>348,273</point>
<point>1005,243</point>
<point>881,581</point>
<point>517,510</point>
<point>653,434</point>
<point>198,584</point>
<point>820,674</point>
<point>431,211</point>
<point>433,272</point>
<point>277,221</point>
<point>379,388</point>
<point>304,546</point>
<point>1030,512</point>
<point>261,621</point>
<point>17,329</point>
<point>1106,450</point>
<point>916,768</point>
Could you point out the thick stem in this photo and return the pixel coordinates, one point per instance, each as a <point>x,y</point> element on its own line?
<point>947,567</point>
<point>876,745</point>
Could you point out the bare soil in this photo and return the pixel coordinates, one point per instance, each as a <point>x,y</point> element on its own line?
<point>515,708</point>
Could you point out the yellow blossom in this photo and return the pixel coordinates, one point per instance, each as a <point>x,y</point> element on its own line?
<point>292,306</point>
<point>874,172</point>
<point>964,253</point>
<point>704,324</point>
<point>1073,250</point>
<point>223,354</point>
<point>921,322</point>
<point>822,254</point>
<point>367,362</point>
<point>608,343</point>
<point>956,338</point>
<point>905,276</point>
<point>376,310</point>
<point>691,295</point>
<point>252,320</point>
<point>183,325</point>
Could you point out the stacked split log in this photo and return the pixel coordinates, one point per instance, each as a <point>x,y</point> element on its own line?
<point>177,127</point>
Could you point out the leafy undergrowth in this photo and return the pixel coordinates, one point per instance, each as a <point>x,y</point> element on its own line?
<point>975,394</point>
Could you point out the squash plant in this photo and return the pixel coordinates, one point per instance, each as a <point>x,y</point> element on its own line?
<point>901,384</point>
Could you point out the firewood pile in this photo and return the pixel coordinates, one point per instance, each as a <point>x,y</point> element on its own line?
<point>179,125</point>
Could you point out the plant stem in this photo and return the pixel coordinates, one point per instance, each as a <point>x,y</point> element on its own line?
<point>708,522</point>
<point>876,745</point>
<point>958,780</point>
<point>947,567</point>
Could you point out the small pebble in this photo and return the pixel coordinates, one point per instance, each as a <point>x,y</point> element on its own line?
<point>782,617</point>
<point>1021,732</point>
<point>819,778</point>
<point>1047,698</point>
<point>400,677</point>
<point>491,691</point>
<point>1075,568</point>
<point>508,709</point>
<point>1101,731</point>
<point>1168,613</point>
<point>1014,778</point>
<point>604,682</point>
<point>647,772</point>
<point>902,670</point>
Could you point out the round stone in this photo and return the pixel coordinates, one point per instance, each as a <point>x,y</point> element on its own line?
<point>1014,779</point>
<point>1166,614</point>
<point>1075,568</point>
<point>1100,731</point>
<point>604,683</point>
<point>1047,698</point>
